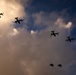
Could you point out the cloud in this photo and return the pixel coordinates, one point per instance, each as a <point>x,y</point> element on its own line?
<point>42,18</point>
<point>49,19</point>
<point>60,23</point>
<point>68,25</point>
<point>34,54</point>
<point>11,9</point>
<point>25,3</point>
<point>26,54</point>
<point>14,32</point>
<point>33,32</point>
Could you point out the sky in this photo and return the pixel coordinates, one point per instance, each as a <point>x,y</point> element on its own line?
<point>27,48</point>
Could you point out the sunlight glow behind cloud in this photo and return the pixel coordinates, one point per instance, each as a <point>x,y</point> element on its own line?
<point>60,23</point>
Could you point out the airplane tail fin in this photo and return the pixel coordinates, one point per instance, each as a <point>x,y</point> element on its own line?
<point>57,33</point>
<point>73,38</point>
<point>21,19</point>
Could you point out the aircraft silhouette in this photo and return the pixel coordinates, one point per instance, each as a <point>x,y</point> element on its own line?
<point>52,65</point>
<point>18,20</point>
<point>54,34</point>
<point>69,39</point>
<point>59,65</point>
<point>1,14</point>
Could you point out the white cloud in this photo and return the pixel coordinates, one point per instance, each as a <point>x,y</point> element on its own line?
<point>50,19</point>
<point>32,55</point>
<point>68,25</point>
<point>60,23</point>
<point>33,32</point>
<point>11,9</point>
<point>43,18</point>
<point>14,32</point>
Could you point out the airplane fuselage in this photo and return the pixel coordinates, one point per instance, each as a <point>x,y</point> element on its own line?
<point>69,39</point>
<point>18,20</point>
<point>54,34</point>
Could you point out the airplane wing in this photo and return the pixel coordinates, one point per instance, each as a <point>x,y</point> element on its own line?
<point>54,35</point>
<point>18,22</point>
<point>69,40</point>
<point>72,39</point>
<point>16,17</point>
<point>52,65</point>
<point>15,21</point>
<point>60,65</point>
<point>21,20</point>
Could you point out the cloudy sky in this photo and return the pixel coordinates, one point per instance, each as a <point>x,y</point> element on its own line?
<point>27,48</point>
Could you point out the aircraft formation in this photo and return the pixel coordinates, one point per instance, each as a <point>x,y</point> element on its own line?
<point>68,39</point>
<point>52,65</point>
<point>53,33</point>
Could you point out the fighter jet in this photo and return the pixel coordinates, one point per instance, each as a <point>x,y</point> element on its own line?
<point>59,65</point>
<point>54,34</point>
<point>18,20</point>
<point>1,14</point>
<point>69,39</point>
<point>52,65</point>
